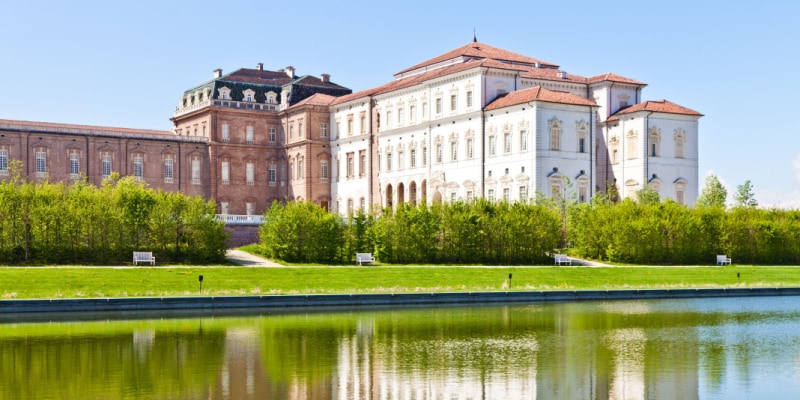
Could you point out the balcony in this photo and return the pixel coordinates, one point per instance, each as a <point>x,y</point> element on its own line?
<point>242,105</point>
<point>230,219</point>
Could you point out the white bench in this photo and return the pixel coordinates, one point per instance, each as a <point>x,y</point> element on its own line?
<point>364,258</point>
<point>143,256</point>
<point>562,259</point>
<point>722,259</point>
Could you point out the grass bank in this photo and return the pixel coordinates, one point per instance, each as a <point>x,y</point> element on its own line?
<point>80,282</point>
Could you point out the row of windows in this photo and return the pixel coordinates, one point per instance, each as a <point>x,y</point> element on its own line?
<point>654,148</point>
<point>105,166</point>
<point>272,138</point>
<point>296,172</point>
<point>395,116</point>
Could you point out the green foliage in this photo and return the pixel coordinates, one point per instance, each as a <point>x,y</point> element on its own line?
<point>302,232</point>
<point>744,196</point>
<point>56,223</point>
<point>713,194</point>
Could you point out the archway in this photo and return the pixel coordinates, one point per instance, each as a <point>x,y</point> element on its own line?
<point>437,197</point>
<point>412,192</point>
<point>401,193</point>
<point>389,195</point>
<point>424,197</point>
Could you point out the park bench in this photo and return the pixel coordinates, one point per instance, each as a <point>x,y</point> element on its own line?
<point>364,258</point>
<point>562,259</point>
<point>722,259</point>
<point>143,256</point>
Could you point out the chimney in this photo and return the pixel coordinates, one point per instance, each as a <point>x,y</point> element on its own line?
<point>562,74</point>
<point>326,78</point>
<point>290,71</point>
<point>218,73</point>
<point>260,66</point>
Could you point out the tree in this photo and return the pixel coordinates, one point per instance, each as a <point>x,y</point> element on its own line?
<point>713,194</point>
<point>744,196</point>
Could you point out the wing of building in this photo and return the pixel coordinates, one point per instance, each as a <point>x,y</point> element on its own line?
<point>476,121</point>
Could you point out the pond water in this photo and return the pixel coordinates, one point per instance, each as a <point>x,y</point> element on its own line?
<point>743,348</point>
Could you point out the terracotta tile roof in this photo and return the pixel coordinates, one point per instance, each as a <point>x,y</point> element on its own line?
<point>316,99</point>
<point>66,128</point>
<point>480,51</point>
<point>611,77</point>
<point>660,106</point>
<point>552,74</point>
<point>537,93</point>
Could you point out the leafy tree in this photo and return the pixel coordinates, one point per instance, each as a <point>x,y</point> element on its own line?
<point>713,193</point>
<point>744,196</point>
<point>647,195</point>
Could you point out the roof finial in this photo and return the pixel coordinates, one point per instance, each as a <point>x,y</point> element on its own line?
<point>474,36</point>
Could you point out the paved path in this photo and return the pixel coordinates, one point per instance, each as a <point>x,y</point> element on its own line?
<point>248,260</point>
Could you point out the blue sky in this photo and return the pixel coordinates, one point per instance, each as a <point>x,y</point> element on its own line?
<point>126,63</point>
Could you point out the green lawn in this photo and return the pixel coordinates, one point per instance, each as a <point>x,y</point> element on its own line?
<point>79,282</point>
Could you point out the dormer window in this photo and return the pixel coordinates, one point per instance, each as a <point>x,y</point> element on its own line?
<point>249,95</point>
<point>224,93</point>
<point>271,96</point>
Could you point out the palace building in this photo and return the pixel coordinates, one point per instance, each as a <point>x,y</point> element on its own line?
<point>476,121</point>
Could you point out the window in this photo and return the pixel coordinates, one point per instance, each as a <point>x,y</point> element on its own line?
<point>196,171</point>
<point>438,153</point>
<point>226,173</point>
<point>507,142</point>
<point>413,154</point>
<point>323,170</point>
<point>491,195</point>
<point>470,148</point>
<point>74,166</point>
<point>169,173</point>
<point>3,162</point>
<point>300,131</point>
<point>633,143</point>
<point>506,194</point>
<point>424,156</point>
<point>272,175</point>
<point>654,137</point>
<point>424,109</point>
<point>349,125</point>
<point>226,133</point>
<point>412,113</point>
<point>225,207</point>
<point>582,145</point>
<point>291,131</point>
<point>363,123</point>
<point>349,206</point>
<point>453,197</point>
<point>250,173</point>
<point>523,140</point>
<point>469,99</point>
<point>555,134</point>
<point>400,160</point>
<point>250,207</point>
<point>523,194</point>
<point>323,130</point>
<point>614,146</point>
<point>41,163</point>
<point>300,169</point>
<point>249,135</point>
<point>105,165</point>
<point>362,163</point>
<point>582,194</point>
<point>388,161</point>
<point>453,151</point>
<point>363,202</point>
<point>138,167</point>
<point>453,103</point>
<point>470,195</point>
<point>400,116</point>
<point>492,145</point>
<point>350,166</point>
<point>680,139</point>
<point>389,119</point>
<point>438,105</point>
<point>272,136</point>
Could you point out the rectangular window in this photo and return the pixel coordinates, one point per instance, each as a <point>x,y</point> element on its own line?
<point>300,169</point>
<point>400,160</point>
<point>492,145</point>
<point>323,170</point>
<point>105,166</point>
<point>424,110</point>
<point>389,161</point>
<point>453,103</point>
<point>3,162</point>
<point>438,105</point>
<point>250,173</point>
<point>250,208</point>
<point>226,133</point>
<point>350,165</point>
<point>363,123</point>
<point>582,145</point>
<point>291,131</point>
<point>300,131</point>
<point>363,205</point>
<point>226,173</point>
<point>413,158</point>
<point>469,195</point>
<point>74,166</point>
<point>453,197</point>
<point>582,194</point>
<point>439,152</point>
<point>424,156</point>
<point>225,207</point>
<point>362,163</point>
<point>412,113</point>
<point>138,167</point>
<point>323,130</point>
<point>523,140</point>
<point>272,175</point>
<point>506,194</point>
<point>491,195</point>
<point>453,151</point>
<point>195,171</point>
<point>250,135</point>
<point>349,125</point>
<point>469,99</point>
<point>41,163</point>
<point>400,116</point>
<point>169,174</point>
<point>507,142</point>
<point>470,149</point>
<point>272,136</point>
<point>523,194</point>
<point>389,119</point>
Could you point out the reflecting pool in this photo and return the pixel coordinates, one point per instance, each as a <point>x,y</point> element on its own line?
<point>661,349</point>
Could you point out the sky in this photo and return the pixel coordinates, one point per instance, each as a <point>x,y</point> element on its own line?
<point>125,64</point>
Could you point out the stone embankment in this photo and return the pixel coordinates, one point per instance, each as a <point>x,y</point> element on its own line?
<point>369,300</point>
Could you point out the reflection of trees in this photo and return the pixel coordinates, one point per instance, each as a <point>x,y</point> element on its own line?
<point>166,365</point>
